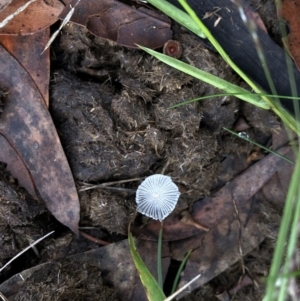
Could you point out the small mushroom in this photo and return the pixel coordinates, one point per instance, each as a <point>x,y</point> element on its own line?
<point>157,197</point>
<point>172,48</point>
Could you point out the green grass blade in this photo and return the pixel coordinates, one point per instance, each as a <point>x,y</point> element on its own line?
<point>292,244</point>
<point>259,145</point>
<point>285,227</point>
<point>178,15</point>
<point>209,78</point>
<point>252,28</point>
<point>291,249</point>
<point>162,4</point>
<point>228,94</point>
<point>152,289</point>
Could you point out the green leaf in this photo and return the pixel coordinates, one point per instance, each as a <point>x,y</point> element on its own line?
<point>152,289</point>
<point>178,15</point>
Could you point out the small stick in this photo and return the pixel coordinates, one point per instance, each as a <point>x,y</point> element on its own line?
<point>19,10</point>
<point>89,186</point>
<point>3,297</point>
<point>181,289</point>
<point>94,239</point>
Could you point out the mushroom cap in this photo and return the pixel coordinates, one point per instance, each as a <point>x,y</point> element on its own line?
<point>157,196</point>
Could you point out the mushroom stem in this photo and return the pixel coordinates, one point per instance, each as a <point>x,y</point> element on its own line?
<point>159,251</point>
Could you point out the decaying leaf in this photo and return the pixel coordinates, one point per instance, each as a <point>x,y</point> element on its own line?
<point>34,62</point>
<point>27,126</point>
<point>219,248</point>
<point>113,20</point>
<point>37,16</point>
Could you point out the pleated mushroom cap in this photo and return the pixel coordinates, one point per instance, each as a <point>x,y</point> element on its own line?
<point>157,197</point>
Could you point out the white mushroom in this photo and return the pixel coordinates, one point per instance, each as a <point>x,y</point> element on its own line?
<point>157,197</point>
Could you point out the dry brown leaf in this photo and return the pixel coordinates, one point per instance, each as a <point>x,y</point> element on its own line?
<point>27,126</point>
<point>34,62</point>
<point>37,16</point>
<point>219,248</point>
<point>128,26</point>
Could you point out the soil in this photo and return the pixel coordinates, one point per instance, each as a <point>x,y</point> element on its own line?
<point>111,109</point>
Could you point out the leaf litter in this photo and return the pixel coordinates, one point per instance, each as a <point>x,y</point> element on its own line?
<point>123,24</point>
<point>115,124</point>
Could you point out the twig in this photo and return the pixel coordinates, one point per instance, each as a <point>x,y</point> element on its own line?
<point>91,186</point>
<point>64,22</point>
<point>19,10</point>
<point>94,239</point>
<point>23,251</point>
<point>181,289</point>
<point>3,297</point>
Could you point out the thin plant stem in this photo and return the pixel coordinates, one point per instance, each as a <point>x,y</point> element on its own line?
<point>23,251</point>
<point>152,289</point>
<point>291,246</point>
<point>228,94</point>
<point>259,145</point>
<point>251,25</point>
<point>159,251</point>
<point>175,283</point>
